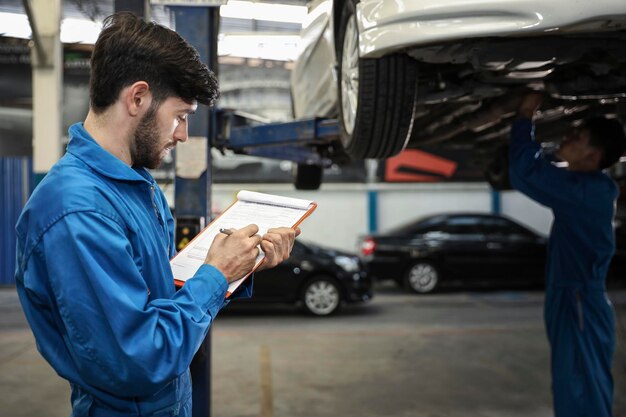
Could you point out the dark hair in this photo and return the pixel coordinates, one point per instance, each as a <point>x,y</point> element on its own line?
<point>130,50</point>
<point>608,136</point>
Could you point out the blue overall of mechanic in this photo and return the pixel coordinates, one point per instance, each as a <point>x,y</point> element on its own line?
<point>96,236</point>
<point>578,315</point>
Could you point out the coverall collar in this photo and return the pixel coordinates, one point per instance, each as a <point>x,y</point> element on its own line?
<point>85,148</point>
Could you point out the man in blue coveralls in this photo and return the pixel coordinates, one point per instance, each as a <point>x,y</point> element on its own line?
<point>578,315</point>
<point>95,238</point>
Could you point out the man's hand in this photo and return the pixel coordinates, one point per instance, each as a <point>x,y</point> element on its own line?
<point>277,244</point>
<point>235,255</point>
<point>529,105</point>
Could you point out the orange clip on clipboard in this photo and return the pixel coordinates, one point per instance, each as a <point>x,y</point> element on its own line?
<point>265,210</point>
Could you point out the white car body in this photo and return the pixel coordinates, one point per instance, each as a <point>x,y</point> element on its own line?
<point>387,26</point>
<point>390,25</point>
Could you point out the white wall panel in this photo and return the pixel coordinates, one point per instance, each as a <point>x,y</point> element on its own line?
<point>527,212</point>
<point>400,204</point>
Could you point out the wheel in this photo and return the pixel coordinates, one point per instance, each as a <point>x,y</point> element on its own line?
<point>422,277</point>
<point>376,96</point>
<point>321,296</point>
<point>307,177</point>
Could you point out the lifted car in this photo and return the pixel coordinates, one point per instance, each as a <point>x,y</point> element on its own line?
<point>409,73</point>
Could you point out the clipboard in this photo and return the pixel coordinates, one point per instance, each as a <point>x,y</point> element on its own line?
<point>265,210</point>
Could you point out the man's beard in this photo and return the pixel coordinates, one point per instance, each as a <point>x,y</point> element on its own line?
<point>145,151</point>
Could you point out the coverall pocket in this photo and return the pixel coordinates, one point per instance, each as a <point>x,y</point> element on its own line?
<point>169,411</point>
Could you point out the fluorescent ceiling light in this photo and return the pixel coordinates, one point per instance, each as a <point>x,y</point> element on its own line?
<point>279,47</point>
<point>80,31</point>
<point>274,47</point>
<point>15,25</point>
<point>264,11</point>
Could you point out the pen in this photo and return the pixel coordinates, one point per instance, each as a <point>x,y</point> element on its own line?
<point>226,231</point>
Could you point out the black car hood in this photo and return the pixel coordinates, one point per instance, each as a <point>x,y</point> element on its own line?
<point>327,252</point>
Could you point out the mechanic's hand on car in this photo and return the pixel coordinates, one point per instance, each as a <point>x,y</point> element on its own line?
<point>235,254</point>
<point>277,244</point>
<point>529,105</point>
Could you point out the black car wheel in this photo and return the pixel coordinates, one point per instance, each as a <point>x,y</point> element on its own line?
<point>307,177</point>
<point>376,96</point>
<point>321,296</point>
<point>422,277</point>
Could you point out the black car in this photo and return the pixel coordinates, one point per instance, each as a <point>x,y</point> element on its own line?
<point>319,279</point>
<point>461,247</point>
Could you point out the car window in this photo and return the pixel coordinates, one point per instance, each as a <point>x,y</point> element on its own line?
<point>494,226</point>
<point>503,227</point>
<point>462,225</point>
<point>420,226</point>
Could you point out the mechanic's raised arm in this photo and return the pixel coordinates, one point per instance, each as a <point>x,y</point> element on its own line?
<point>529,172</point>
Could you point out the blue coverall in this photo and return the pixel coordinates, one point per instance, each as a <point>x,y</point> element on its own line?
<point>579,317</point>
<point>93,277</point>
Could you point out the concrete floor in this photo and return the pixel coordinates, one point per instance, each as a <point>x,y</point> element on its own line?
<point>478,354</point>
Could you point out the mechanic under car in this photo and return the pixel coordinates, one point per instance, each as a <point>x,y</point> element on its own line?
<point>578,316</point>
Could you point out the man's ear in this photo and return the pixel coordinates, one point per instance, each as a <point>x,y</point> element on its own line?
<point>138,98</point>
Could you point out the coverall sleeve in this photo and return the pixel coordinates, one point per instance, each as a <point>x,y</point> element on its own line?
<point>536,177</point>
<point>120,342</point>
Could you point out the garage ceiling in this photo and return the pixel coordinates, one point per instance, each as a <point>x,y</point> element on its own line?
<point>99,9</point>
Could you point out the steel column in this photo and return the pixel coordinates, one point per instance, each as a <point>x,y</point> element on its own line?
<point>200,27</point>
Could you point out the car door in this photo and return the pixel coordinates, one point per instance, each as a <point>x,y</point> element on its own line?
<point>462,249</point>
<point>515,253</point>
<point>281,282</point>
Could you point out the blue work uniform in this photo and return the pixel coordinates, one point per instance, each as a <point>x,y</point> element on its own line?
<point>578,315</point>
<point>93,277</point>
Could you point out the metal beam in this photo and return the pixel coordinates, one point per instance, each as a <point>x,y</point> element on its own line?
<point>41,54</point>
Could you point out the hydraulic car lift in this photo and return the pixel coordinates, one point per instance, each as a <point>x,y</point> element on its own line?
<point>311,144</point>
<point>294,141</point>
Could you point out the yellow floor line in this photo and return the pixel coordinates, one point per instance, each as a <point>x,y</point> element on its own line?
<point>267,406</point>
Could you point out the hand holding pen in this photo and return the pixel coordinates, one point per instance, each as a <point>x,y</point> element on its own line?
<point>277,244</point>
<point>234,252</point>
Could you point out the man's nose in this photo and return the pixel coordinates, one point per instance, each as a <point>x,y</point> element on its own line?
<point>180,134</point>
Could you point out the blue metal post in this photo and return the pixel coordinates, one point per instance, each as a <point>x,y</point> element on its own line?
<point>372,210</point>
<point>200,27</point>
<point>496,202</point>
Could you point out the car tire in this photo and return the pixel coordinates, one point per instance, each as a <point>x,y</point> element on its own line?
<point>321,296</point>
<point>307,177</point>
<point>422,277</point>
<point>376,96</point>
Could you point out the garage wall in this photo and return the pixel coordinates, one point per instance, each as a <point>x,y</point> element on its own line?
<point>526,211</point>
<point>399,204</point>
<point>343,214</point>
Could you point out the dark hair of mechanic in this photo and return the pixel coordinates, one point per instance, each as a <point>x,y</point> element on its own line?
<point>160,57</point>
<point>608,136</point>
